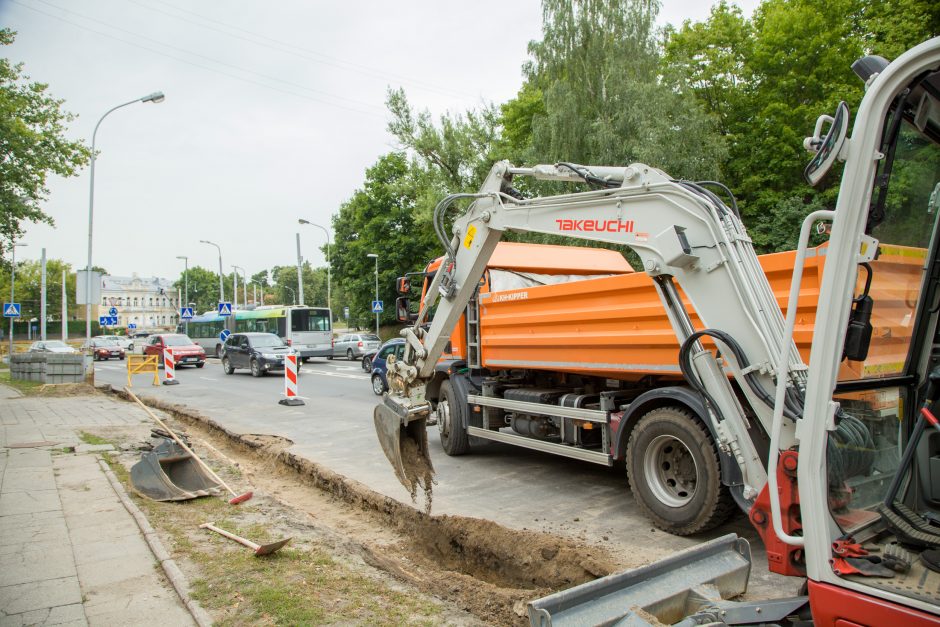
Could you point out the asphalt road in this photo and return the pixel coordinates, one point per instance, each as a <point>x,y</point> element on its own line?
<point>515,487</point>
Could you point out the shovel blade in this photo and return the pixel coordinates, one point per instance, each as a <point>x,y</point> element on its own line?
<point>406,447</point>
<point>267,549</point>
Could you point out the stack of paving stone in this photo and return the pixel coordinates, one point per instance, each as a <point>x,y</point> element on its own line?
<point>48,367</point>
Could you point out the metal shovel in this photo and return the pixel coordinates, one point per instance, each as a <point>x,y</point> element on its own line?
<point>259,549</point>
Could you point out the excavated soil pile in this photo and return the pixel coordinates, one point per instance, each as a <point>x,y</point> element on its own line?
<point>479,565</point>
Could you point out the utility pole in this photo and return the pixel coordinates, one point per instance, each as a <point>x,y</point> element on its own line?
<point>42,299</point>
<point>65,309</point>
<point>300,273</point>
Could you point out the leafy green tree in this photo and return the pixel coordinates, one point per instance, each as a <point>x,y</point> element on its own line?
<point>32,146</point>
<point>380,218</point>
<point>28,290</point>
<point>598,69</point>
<point>203,288</point>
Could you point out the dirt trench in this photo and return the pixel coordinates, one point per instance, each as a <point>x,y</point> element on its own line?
<point>480,566</point>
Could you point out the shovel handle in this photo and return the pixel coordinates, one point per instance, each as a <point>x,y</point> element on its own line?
<point>231,536</point>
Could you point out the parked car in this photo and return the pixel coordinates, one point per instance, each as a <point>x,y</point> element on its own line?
<point>51,346</point>
<point>395,347</point>
<point>259,352</point>
<point>124,342</point>
<point>355,345</point>
<point>185,351</point>
<point>102,349</point>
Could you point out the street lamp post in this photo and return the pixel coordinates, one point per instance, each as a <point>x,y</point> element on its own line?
<point>155,97</point>
<point>244,285</point>
<point>185,288</point>
<point>329,297</point>
<point>293,294</point>
<point>221,288</point>
<point>376,257</point>
<point>13,246</point>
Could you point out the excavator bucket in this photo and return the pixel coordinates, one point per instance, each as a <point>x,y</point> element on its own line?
<point>405,443</point>
<point>169,473</point>
<point>664,592</point>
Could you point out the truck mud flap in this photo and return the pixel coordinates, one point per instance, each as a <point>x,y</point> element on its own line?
<point>660,593</point>
<point>168,473</point>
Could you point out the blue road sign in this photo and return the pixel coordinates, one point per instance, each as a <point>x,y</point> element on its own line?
<point>132,326</point>
<point>224,334</point>
<point>377,306</point>
<point>112,312</point>
<point>225,309</point>
<point>186,313</point>
<point>11,310</point>
<point>107,321</point>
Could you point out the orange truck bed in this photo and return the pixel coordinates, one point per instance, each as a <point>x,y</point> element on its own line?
<point>614,326</point>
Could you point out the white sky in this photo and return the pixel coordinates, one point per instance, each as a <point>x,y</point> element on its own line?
<point>273,112</point>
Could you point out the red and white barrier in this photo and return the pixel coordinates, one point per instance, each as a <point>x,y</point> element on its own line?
<point>169,367</point>
<point>290,381</point>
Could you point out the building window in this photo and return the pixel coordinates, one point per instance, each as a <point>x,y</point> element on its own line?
<point>135,301</point>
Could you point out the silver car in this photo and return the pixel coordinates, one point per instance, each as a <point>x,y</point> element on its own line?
<point>51,346</point>
<point>355,345</point>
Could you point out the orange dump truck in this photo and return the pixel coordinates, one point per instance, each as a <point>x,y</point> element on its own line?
<point>559,335</point>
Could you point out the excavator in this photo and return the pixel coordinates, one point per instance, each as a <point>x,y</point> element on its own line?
<point>837,476</point>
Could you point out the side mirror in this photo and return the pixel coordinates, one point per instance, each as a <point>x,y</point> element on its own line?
<point>403,285</point>
<point>403,310</point>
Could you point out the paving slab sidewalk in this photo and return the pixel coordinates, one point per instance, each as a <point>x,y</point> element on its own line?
<point>70,553</point>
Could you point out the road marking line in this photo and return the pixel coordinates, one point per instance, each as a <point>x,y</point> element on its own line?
<point>208,379</point>
<point>333,374</point>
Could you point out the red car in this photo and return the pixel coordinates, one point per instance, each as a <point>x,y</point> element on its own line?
<point>185,351</point>
<point>104,349</point>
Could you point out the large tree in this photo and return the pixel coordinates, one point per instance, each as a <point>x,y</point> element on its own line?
<point>597,68</point>
<point>32,146</point>
<point>380,219</point>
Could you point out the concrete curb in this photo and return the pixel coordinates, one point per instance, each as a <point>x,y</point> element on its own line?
<point>172,571</point>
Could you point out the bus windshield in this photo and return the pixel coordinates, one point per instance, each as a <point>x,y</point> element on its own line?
<point>310,320</point>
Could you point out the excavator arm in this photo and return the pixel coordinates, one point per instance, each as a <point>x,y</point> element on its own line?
<point>685,236</point>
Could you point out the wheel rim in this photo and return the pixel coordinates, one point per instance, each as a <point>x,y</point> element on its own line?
<point>377,386</point>
<point>254,367</point>
<point>225,364</point>
<point>443,417</point>
<point>349,354</point>
<point>670,471</point>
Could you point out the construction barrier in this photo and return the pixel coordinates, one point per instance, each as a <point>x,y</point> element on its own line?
<point>138,364</point>
<point>169,368</point>
<point>290,381</point>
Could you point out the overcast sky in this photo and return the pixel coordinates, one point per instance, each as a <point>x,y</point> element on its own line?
<point>273,112</point>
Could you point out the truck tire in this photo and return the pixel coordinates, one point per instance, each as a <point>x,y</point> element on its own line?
<point>451,422</point>
<point>675,474</point>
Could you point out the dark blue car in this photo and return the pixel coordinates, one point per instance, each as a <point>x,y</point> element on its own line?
<point>392,347</point>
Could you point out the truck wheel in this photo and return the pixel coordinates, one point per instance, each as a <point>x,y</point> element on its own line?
<point>674,472</point>
<point>451,421</point>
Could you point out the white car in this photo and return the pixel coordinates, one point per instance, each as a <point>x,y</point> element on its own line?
<point>51,346</point>
<point>124,342</point>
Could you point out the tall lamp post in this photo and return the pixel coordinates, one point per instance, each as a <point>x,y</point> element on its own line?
<point>244,285</point>
<point>185,288</point>
<point>155,97</point>
<point>221,288</point>
<point>13,246</point>
<point>293,294</point>
<point>376,257</point>
<point>329,297</point>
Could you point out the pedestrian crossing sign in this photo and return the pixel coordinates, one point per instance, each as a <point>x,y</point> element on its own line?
<point>11,310</point>
<point>225,309</point>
